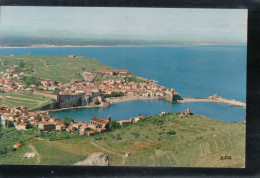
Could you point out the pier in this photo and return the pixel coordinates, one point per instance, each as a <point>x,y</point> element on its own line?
<point>216,99</point>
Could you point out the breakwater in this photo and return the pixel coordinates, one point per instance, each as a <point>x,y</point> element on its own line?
<point>216,99</point>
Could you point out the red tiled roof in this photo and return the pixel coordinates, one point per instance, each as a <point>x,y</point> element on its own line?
<point>91,132</point>
<point>23,124</point>
<point>4,111</point>
<point>101,121</point>
<point>17,145</point>
<point>47,123</point>
<point>31,114</point>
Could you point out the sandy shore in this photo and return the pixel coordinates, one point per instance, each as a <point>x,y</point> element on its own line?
<point>132,98</point>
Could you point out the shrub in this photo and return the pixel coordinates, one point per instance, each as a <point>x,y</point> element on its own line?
<point>157,122</point>
<point>113,136</point>
<point>31,80</point>
<point>22,64</point>
<point>98,137</point>
<point>113,125</point>
<point>118,137</point>
<point>8,124</point>
<point>68,120</point>
<point>172,132</point>
<point>136,135</point>
<point>97,102</point>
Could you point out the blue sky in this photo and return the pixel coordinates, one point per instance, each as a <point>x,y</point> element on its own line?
<point>166,24</point>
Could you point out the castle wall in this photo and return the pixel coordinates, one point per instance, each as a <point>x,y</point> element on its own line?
<point>66,101</point>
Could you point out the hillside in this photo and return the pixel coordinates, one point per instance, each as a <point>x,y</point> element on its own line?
<point>31,101</point>
<point>193,141</point>
<point>59,68</point>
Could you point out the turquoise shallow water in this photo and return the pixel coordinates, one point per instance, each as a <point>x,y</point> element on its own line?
<point>194,71</point>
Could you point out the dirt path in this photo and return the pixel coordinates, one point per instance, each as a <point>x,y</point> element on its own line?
<point>37,154</point>
<point>23,99</point>
<point>102,148</point>
<point>44,62</point>
<point>42,139</point>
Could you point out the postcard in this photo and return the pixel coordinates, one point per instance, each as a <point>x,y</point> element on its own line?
<point>103,86</point>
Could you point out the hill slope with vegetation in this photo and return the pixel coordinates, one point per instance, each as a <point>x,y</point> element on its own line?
<point>192,141</point>
<point>59,68</point>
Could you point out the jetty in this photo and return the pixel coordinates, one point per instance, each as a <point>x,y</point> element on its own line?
<point>215,98</point>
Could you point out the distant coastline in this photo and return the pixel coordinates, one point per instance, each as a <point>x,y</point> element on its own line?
<point>58,46</point>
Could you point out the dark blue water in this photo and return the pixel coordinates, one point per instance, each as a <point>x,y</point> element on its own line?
<point>194,71</point>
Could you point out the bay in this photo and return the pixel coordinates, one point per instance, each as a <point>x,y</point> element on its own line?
<point>194,71</point>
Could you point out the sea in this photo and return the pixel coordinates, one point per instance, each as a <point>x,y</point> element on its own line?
<point>193,71</point>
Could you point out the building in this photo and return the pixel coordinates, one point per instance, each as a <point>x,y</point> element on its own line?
<point>127,154</point>
<point>71,56</point>
<point>45,126</point>
<point>90,133</point>
<point>99,123</point>
<point>77,125</point>
<point>22,126</point>
<point>72,100</point>
<point>114,72</point>
<point>83,129</point>
<point>136,119</point>
<point>17,145</point>
<point>29,155</point>
<point>60,127</point>
<point>123,122</point>
<point>101,130</point>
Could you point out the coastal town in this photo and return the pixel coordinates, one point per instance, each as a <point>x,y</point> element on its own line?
<point>87,92</point>
<point>22,119</point>
<point>77,93</point>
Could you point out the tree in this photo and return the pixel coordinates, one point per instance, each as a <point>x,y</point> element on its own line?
<point>113,125</point>
<point>68,120</point>
<point>31,80</point>
<point>21,142</point>
<point>1,128</point>
<point>8,124</point>
<point>96,102</point>
<point>22,64</point>
<point>118,136</point>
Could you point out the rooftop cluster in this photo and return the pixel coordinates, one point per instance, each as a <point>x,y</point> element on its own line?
<point>22,119</point>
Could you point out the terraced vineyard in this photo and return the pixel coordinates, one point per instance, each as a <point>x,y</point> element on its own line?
<point>59,68</point>
<point>26,99</point>
<point>194,141</point>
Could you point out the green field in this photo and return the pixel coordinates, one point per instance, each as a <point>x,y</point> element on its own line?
<point>31,101</point>
<point>59,68</point>
<point>194,141</point>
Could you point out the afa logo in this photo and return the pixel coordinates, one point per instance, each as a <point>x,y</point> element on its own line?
<point>225,157</point>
